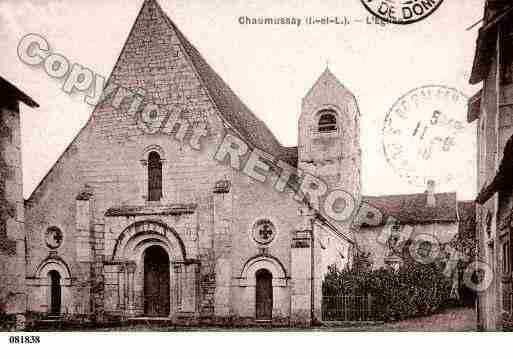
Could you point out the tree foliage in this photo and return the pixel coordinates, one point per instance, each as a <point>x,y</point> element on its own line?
<point>413,290</point>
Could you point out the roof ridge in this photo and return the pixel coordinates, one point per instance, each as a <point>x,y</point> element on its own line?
<point>413,208</point>
<point>273,146</point>
<point>328,72</point>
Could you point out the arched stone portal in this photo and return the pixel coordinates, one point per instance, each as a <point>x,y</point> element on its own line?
<point>51,285</point>
<point>262,289</point>
<point>156,282</point>
<point>155,276</point>
<point>138,234</point>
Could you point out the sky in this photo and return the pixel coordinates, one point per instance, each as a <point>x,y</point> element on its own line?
<point>270,67</point>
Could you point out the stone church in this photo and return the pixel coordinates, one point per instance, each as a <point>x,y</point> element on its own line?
<point>135,223</point>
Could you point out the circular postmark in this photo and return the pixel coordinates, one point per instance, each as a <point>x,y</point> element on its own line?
<point>402,11</point>
<point>425,137</point>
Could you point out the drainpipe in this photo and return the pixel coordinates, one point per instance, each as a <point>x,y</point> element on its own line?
<point>312,293</point>
<point>497,288</point>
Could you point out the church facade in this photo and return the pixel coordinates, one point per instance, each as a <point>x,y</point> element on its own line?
<point>135,221</point>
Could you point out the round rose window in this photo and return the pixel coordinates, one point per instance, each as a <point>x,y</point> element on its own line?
<point>53,237</point>
<point>264,231</point>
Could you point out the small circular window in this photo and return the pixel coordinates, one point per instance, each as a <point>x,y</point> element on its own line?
<point>264,231</point>
<point>53,237</point>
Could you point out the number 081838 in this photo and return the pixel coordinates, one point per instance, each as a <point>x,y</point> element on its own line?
<point>24,339</point>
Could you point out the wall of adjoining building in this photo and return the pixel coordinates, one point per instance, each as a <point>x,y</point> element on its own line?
<point>374,240</point>
<point>486,214</point>
<point>12,228</point>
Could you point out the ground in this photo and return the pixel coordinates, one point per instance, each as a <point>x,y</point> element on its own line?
<point>453,319</point>
<point>448,320</point>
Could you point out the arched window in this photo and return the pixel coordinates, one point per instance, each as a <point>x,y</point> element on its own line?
<point>327,121</point>
<point>154,177</point>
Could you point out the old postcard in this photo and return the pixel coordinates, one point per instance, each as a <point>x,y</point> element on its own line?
<point>231,165</point>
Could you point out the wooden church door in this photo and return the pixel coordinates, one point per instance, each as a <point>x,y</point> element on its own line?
<point>156,282</point>
<point>264,294</point>
<point>55,292</point>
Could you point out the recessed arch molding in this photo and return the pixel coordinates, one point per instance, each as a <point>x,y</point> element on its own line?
<point>148,227</point>
<point>247,276</point>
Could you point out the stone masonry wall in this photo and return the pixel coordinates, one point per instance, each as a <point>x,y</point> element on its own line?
<point>109,156</point>
<point>12,238</point>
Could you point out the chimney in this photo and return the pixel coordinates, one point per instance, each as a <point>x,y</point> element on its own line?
<point>430,194</point>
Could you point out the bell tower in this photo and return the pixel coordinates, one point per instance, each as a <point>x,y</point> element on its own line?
<point>329,137</point>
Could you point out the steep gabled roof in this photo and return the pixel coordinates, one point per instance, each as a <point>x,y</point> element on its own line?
<point>231,108</point>
<point>413,208</point>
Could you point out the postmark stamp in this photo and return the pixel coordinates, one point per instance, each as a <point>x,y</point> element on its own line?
<point>402,11</point>
<point>424,136</point>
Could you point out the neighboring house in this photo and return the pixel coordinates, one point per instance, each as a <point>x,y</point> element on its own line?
<point>492,108</point>
<point>132,223</point>
<point>12,228</point>
<point>429,218</point>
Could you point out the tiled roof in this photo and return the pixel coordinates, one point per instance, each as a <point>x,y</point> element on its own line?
<point>413,208</point>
